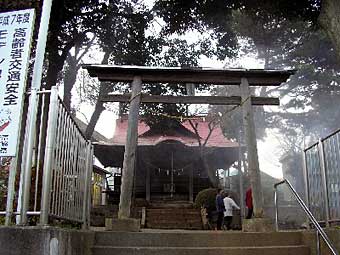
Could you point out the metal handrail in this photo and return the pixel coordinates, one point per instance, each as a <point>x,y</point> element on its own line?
<point>320,231</point>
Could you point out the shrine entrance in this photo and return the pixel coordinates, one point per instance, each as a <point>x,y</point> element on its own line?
<point>170,181</point>
<point>243,78</point>
<point>169,185</point>
<point>168,162</point>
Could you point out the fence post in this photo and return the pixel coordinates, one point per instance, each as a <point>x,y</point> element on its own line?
<point>87,186</point>
<point>48,159</point>
<point>306,181</point>
<point>11,190</point>
<point>25,182</point>
<point>89,183</point>
<point>324,178</point>
<point>276,209</point>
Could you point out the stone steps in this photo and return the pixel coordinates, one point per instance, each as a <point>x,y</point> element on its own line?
<point>172,211</point>
<point>274,250</point>
<point>162,242</point>
<point>173,221</point>
<point>188,226</point>
<point>173,218</point>
<point>179,238</point>
<point>170,204</point>
<point>99,213</point>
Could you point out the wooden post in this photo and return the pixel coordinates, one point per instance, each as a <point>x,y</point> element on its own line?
<point>130,150</point>
<point>250,138</point>
<point>191,184</point>
<point>224,178</point>
<point>229,182</point>
<point>239,166</point>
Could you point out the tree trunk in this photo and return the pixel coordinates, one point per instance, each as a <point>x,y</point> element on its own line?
<point>70,76</point>
<point>70,79</point>
<point>99,108</point>
<point>211,174</point>
<point>329,20</point>
<point>54,67</point>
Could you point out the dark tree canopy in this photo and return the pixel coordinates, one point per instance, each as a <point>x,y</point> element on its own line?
<point>309,98</point>
<point>212,17</point>
<point>283,32</point>
<point>11,5</point>
<point>194,14</point>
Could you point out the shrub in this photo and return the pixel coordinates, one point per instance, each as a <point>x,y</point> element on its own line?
<point>4,172</point>
<point>206,198</point>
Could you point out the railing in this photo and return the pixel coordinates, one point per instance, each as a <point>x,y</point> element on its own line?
<point>61,168</point>
<point>67,168</point>
<point>319,230</point>
<point>322,177</point>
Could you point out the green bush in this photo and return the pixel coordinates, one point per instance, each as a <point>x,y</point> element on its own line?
<point>4,172</point>
<point>206,198</point>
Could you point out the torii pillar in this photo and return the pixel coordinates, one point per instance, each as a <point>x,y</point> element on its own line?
<point>130,151</point>
<point>251,145</point>
<point>259,223</point>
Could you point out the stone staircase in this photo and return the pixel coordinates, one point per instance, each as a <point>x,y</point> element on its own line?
<point>182,242</point>
<point>173,216</point>
<point>99,213</point>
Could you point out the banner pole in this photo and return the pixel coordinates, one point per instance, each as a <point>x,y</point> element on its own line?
<point>33,106</point>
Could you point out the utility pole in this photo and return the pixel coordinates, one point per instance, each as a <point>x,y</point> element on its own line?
<point>250,139</point>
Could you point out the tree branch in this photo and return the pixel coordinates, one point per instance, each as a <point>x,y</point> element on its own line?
<point>196,132</point>
<point>212,125</point>
<point>85,50</point>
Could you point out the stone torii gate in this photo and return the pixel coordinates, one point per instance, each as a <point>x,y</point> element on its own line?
<point>237,77</point>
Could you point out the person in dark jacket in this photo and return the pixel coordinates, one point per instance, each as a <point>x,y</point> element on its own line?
<point>219,208</point>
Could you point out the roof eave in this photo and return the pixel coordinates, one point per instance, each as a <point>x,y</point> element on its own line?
<point>256,77</point>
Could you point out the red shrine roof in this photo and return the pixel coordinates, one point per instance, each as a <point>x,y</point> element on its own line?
<point>184,134</point>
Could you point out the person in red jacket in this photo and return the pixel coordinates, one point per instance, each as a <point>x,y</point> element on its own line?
<point>249,203</point>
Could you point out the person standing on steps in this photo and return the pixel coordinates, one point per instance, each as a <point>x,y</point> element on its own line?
<point>229,204</point>
<point>219,208</point>
<point>249,203</point>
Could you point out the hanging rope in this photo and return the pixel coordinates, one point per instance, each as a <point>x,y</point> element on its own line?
<point>183,118</point>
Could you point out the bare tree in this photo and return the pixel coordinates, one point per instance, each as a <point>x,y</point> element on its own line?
<point>73,64</point>
<point>202,143</point>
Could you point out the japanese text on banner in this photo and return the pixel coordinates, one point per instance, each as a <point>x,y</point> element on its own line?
<point>16,29</point>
